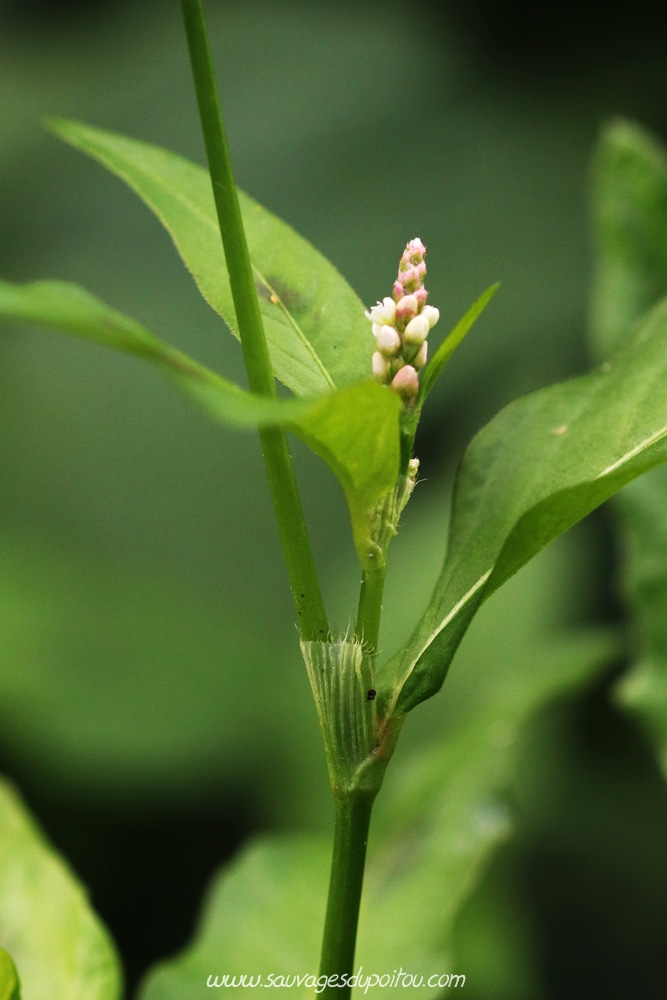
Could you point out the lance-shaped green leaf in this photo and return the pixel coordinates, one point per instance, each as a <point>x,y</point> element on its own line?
<point>439,360</point>
<point>630,221</point>
<point>355,430</point>
<point>10,988</point>
<point>537,468</point>
<point>315,327</point>
<point>46,923</point>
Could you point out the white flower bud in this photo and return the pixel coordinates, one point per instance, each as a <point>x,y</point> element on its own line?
<point>380,368</point>
<point>388,341</point>
<point>417,330</point>
<point>420,359</point>
<point>413,468</point>
<point>401,323</point>
<point>432,315</point>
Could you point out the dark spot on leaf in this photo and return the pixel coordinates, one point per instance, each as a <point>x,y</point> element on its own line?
<point>370,695</point>
<point>290,297</point>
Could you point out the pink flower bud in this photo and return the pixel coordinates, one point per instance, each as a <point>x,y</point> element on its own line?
<point>406,308</point>
<point>406,383</point>
<point>432,315</point>
<point>421,295</point>
<point>416,331</point>
<point>420,358</point>
<point>413,278</point>
<point>410,280</point>
<point>415,251</point>
<point>388,341</point>
<point>401,324</point>
<point>380,368</point>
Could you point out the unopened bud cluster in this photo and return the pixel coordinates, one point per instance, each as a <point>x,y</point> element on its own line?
<point>401,323</point>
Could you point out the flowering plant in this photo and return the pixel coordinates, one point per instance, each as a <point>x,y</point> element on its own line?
<point>536,469</point>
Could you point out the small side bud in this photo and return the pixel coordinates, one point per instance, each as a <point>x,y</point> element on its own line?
<point>413,468</point>
<point>432,315</point>
<point>416,331</point>
<point>421,296</point>
<point>406,383</point>
<point>420,357</point>
<point>380,368</point>
<point>398,291</point>
<point>395,365</point>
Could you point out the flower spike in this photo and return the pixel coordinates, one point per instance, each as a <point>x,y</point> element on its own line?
<point>401,324</point>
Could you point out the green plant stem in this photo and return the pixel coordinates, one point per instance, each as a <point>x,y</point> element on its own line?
<point>369,612</point>
<point>353,816</point>
<point>286,502</point>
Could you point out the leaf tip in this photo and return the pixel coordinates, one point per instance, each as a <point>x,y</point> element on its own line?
<point>54,124</point>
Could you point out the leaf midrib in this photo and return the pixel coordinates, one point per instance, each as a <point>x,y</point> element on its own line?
<point>186,202</point>
<point>470,593</point>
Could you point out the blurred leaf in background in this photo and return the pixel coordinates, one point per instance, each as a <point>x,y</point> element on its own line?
<point>630,214</point>
<point>45,921</point>
<point>137,541</point>
<point>115,470</point>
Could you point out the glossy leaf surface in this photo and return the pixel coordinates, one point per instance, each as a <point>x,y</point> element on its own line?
<point>318,336</point>
<point>46,922</point>
<point>537,468</point>
<point>355,430</point>
<point>630,216</point>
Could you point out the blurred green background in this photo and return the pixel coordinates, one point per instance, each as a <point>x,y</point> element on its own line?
<point>152,703</point>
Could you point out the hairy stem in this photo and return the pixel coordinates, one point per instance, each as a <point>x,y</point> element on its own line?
<point>286,502</point>
<point>353,816</point>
